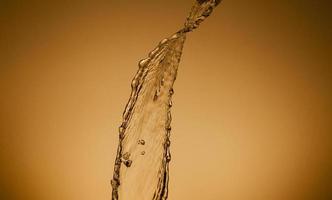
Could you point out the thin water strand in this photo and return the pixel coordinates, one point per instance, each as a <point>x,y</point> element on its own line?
<point>141,169</point>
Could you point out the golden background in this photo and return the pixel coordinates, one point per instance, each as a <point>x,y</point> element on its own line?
<point>252,104</point>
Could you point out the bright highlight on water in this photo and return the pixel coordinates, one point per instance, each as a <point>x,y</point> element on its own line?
<point>141,169</point>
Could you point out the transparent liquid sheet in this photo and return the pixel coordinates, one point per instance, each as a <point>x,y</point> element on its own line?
<point>141,170</point>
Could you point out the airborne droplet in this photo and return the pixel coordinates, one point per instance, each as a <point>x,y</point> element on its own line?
<point>141,142</point>
<point>125,159</point>
<point>126,156</point>
<point>127,163</point>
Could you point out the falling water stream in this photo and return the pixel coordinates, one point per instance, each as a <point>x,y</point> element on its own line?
<point>141,169</point>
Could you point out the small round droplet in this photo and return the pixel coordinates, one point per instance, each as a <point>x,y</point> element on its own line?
<point>170,103</point>
<point>156,95</point>
<point>125,159</point>
<point>162,82</point>
<point>121,132</point>
<point>143,153</point>
<point>117,162</point>
<point>169,116</point>
<point>126,156</point>
<point>168,142</point>
<point>134,83</point>
<point>127,163</point>
<point>141,142</point>
<point>144,62</point>
<point>168,157</point>
<point>171,91</point>
<point>121,129</point>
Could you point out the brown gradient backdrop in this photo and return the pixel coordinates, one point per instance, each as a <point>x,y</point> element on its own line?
<point>252,105</point>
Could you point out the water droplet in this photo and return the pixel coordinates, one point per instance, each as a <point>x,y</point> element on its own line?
<point>169,117</point>
<point>126,156</point>
<point>134,83</point>
<point>156,95</point>
<point>118,162</point>
<point>175,36</point>
<point>168,142</point>
<point>127,163</point>
<point>199,21</point>
<point>124,124</point>
<point>144,62</point>
<point>217,2</point>
<point>163,41</point>
<point>125,159</point>
<point>162,82</point>
<point>141,142</point>
<point>121,132</point>
<point>143,153</point>
<point>170,103</point>
<point>114,183</point>
<point>153,52</point>
<point>121,129</point>
<point>168,157</point>
<point>126,116</point>
<point>171,91</point>
<point>207,12</point>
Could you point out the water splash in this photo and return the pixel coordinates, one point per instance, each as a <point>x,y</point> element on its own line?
<point>141,169</point>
